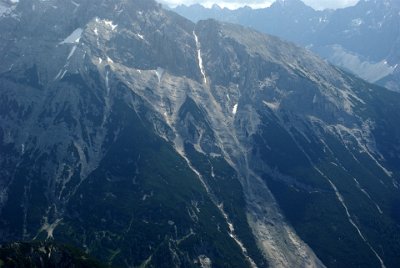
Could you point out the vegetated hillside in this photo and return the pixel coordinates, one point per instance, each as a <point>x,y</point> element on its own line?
<point>41,254</point>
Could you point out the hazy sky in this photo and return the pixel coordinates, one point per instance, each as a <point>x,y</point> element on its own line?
<point>317,4</point>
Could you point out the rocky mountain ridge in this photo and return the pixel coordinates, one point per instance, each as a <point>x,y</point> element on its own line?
<point>145,140</point>
<point>362,39</point>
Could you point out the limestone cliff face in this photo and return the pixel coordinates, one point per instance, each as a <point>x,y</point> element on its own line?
<point>145,139</point>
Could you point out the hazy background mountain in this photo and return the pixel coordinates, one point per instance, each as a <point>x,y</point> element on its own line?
<point>363,39</point>
<point>144,139</point>
<point>234,4</point>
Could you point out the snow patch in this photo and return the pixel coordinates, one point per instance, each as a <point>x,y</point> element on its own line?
<point>199,58</point>
<point>72,52</point>
<point>315,99</point>
<point>159,73</point>
<point>110,24</point>
<point>147,196</point>
<point>73,38</point>
<point>272,105</point>
<point>63,74</point>
<point>234,110</point>
<point>75,4</point>
<point>107,83</point>
<point>60,74</point>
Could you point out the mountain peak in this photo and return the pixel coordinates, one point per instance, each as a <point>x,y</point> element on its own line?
<point>289,3</point>
<point>216,7</point>
<point>146,140</point>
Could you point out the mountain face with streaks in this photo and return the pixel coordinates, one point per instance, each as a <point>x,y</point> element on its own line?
<point>146,140</point>
<point>362,39</point>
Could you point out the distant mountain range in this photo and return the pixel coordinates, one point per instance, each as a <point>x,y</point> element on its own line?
<point>363,39</point>
<point>143,139</point>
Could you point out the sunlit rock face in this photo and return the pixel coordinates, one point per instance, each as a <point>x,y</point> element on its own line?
<point>142,138</point>
<point>362,39</point>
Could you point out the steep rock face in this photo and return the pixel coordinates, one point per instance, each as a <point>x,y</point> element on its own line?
<point>145,139</point>
<point>81,162</point>
<point>299,116</point>
<point>362,39</point>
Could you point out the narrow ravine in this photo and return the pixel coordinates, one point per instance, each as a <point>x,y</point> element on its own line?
<point>199,57</point>
<point>278,241</point>
<point>349,217</point>
<point>339,198</point>
<point>219,206</point>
